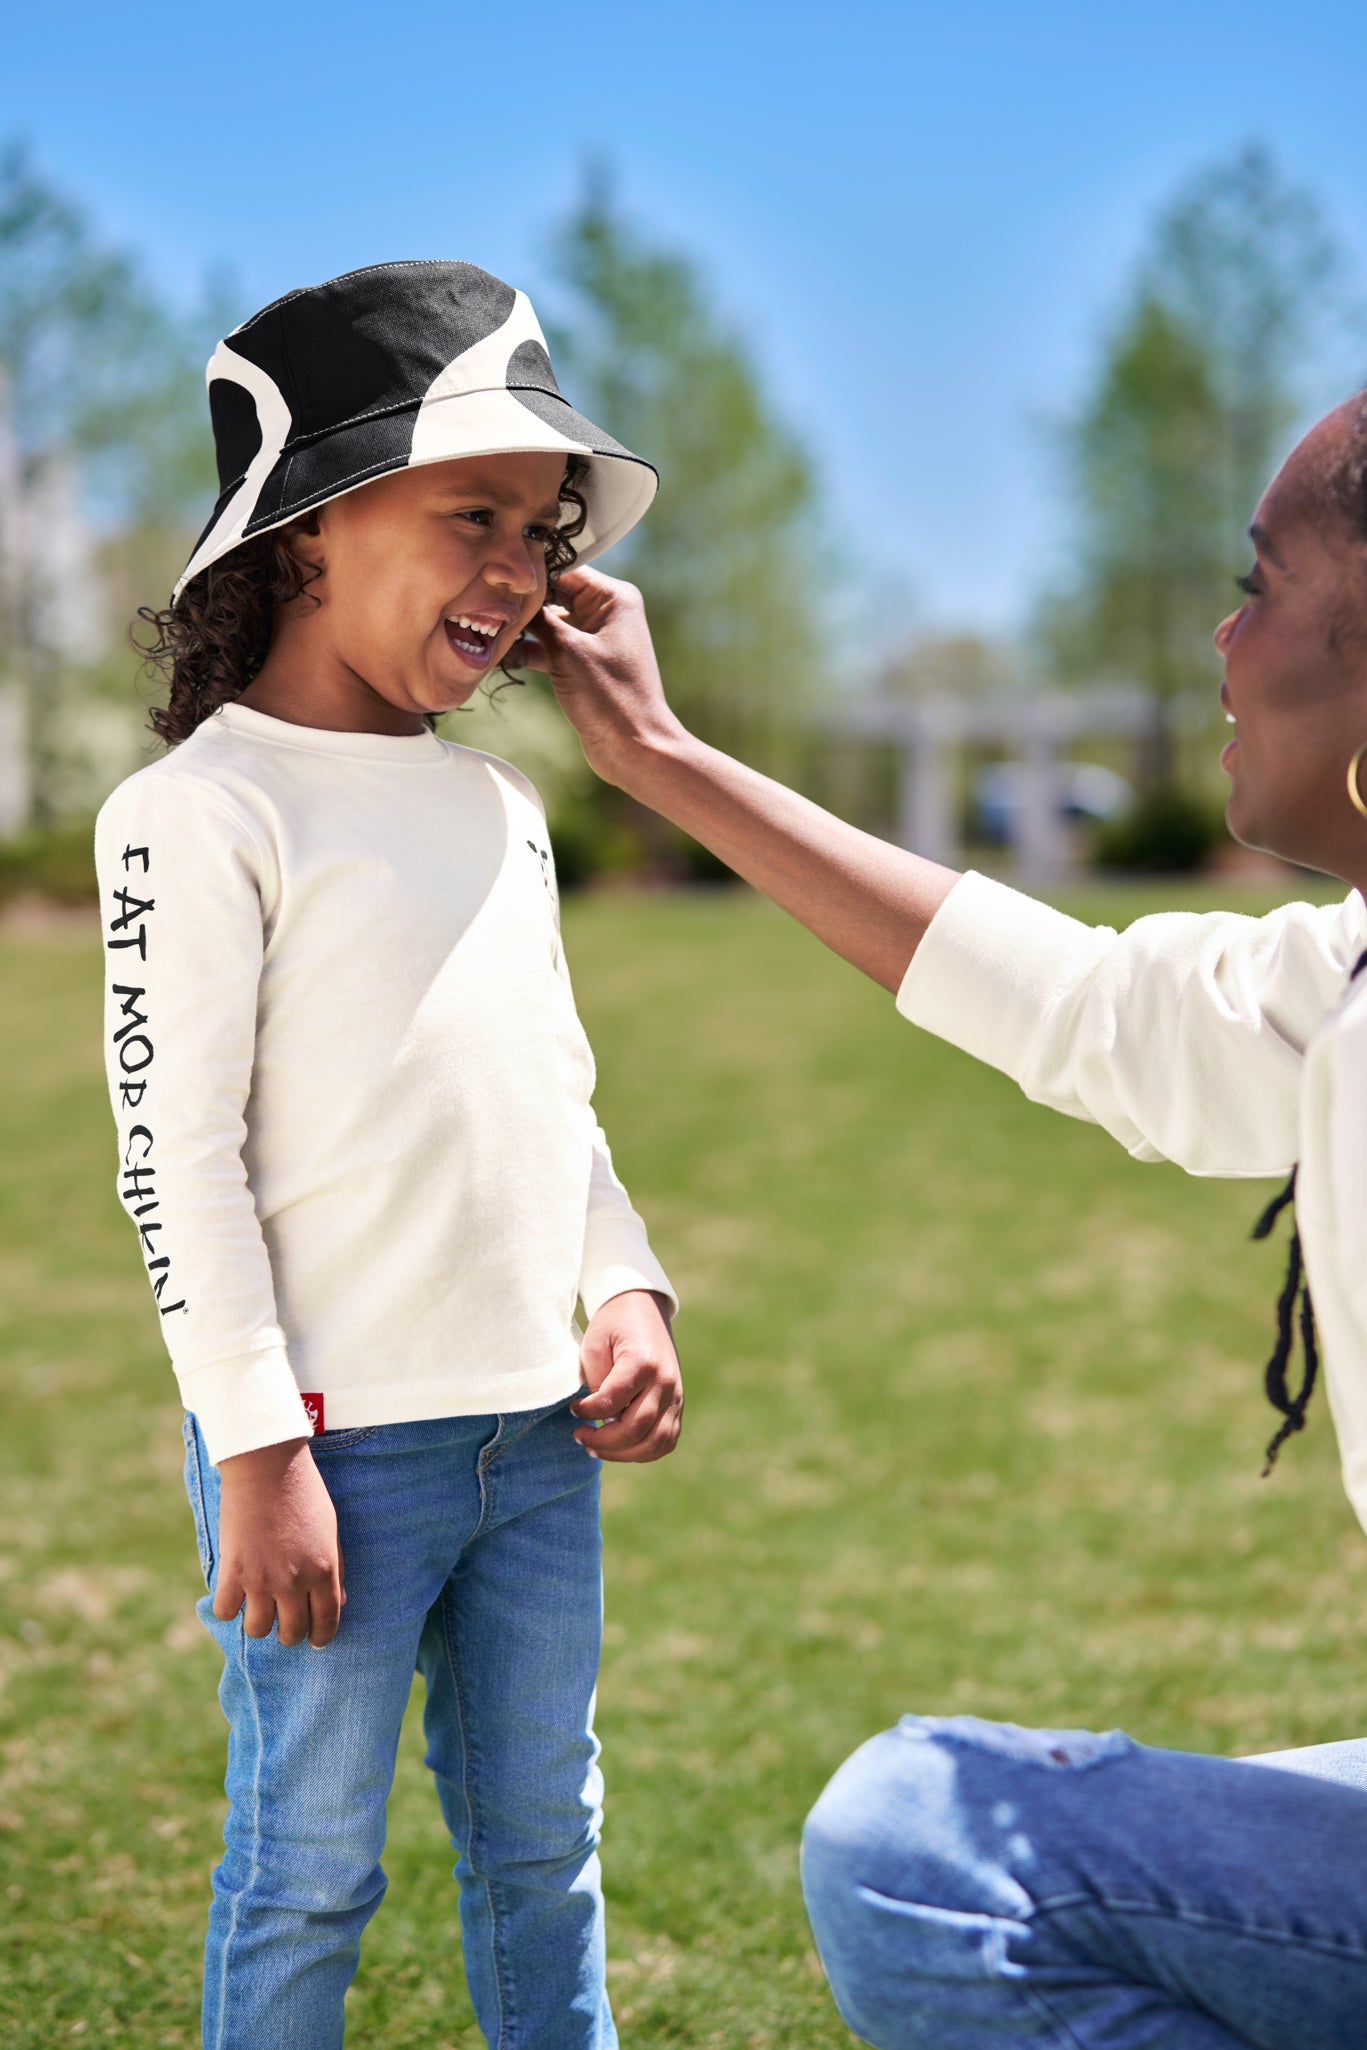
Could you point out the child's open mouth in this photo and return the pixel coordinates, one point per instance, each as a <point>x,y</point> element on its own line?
<point>472,639</point>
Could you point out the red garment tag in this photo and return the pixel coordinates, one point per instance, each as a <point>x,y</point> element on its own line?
<point>314,1405</point>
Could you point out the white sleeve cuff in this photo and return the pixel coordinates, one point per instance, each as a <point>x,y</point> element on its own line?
<point>245,1402</point>
<point>989,967</point>
<point>617,1257</point>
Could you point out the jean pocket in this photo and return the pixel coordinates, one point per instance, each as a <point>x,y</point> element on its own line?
<point>194,1488</point>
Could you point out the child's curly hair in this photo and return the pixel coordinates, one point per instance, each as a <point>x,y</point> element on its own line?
<point>209,644</point>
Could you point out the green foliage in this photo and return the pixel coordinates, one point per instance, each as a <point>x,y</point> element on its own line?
<point>57,864</point>
<point>726,555</point>
<point>1168,831</point>
<point>599,837</point>
<point>975,1423</point>
<point>1145,455</point>
<point>96,364</point>
<point>101,389</point>
<point>1243,260</point>
<point>1198,384</point>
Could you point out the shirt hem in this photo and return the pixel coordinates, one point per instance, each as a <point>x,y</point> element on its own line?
<point>353,1409</point>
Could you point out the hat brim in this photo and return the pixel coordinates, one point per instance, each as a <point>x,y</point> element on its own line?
<point>617,489</point>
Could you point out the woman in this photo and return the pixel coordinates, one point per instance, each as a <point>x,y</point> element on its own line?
<point>974,1884</point>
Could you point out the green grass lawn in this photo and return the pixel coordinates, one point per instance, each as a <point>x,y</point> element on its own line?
<point>974,1422</point>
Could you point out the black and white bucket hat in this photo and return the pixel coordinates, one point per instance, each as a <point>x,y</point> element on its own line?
<point>384,369</point>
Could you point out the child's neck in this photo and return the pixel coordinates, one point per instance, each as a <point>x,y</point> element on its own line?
<point>313,687</point>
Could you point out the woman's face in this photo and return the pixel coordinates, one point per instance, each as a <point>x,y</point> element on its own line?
<point>1295,656</point>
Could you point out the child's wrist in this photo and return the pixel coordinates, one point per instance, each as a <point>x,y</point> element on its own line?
<point>263,1462</point>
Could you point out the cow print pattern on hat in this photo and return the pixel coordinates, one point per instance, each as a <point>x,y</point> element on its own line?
<point>384,369</point>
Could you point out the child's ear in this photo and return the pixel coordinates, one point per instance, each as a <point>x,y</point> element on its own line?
<point>304,540</point>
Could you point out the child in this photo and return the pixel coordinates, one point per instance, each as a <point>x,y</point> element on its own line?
<point>355,1137</point>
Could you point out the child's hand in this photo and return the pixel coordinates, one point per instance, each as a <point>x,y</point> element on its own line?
<point>277,1544</point>
<point>632,1369</point>
<point>594,643</point>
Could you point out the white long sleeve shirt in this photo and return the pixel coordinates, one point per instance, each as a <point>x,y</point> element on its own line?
<point>352,1092</point>
<point>1233,1046</point>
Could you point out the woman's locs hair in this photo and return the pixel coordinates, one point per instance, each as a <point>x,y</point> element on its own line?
<point>1295,1317</point>
<point>1294,1308</point>
<point>207,646</point>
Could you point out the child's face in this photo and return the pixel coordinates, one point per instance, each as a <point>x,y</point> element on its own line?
<point>430,574</point>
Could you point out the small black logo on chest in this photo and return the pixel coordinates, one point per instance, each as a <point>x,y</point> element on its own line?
<point>548,878</point>
<point>547,875</point>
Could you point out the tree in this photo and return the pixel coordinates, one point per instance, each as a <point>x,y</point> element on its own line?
<point>96,365</point>
<point>104,449</point>
<point>1145,462</point>
<point>1199,384</point>
<point>1244,262</point>
<point>726,556</point>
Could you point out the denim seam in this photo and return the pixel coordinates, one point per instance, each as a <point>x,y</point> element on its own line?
<point>342,1441</point>
<point>486,1507</point>
<point>453,1666</point>
<point>256,1836</point>
<point>529,1421</point>
<point>199,1508</point>
<point>486,1501</point>
<point>1114,1904</point>
<point>1055,2021</point>
<point>1115,1746</point>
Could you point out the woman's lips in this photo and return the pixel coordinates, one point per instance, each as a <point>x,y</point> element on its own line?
<point>1227,751</point>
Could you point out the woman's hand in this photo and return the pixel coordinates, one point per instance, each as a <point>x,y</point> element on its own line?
<point>869,901</point>
<point>635,1405</point>
<point>595,645</point>
<point>277,1546</point>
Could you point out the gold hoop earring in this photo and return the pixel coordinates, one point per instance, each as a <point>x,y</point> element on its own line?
<point>1354,793</point>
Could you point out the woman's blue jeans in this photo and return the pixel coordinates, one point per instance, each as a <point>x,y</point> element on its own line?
<point>471,1551</point>
<point>973,1885</point>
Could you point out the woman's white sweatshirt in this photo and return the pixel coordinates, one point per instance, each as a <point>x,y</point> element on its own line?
<point>352,1092</point>
<point>1233,1046</point>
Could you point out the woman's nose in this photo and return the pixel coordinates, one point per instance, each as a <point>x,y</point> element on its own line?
<point>1224,630</point>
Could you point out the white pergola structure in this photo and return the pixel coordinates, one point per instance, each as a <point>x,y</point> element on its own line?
<point>929,732</point>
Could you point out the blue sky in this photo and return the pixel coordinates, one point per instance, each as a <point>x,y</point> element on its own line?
<point>921,216</point>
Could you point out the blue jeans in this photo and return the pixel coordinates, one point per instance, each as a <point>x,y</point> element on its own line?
<point>972,1884</point>
<point>471,1551</point>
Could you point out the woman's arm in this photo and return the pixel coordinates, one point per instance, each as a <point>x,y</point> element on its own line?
<point>869,901</point>
<point>1182,1036</point>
